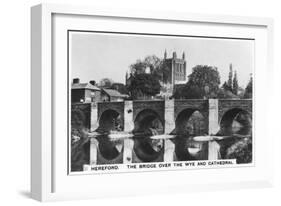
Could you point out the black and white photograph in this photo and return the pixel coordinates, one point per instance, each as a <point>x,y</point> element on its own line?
<point>141,102</point>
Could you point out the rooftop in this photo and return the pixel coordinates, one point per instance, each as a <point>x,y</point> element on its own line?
<point>84,86</point>
<point>113,93</point>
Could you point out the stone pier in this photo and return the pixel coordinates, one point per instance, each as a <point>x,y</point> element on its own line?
<point>94,122</point>
<point>169,150</point>
<point>128,127</point>
<point>128,116</point>
<point>93,151</point>
<point>213,116</point>
<point>170,125</point>
<point>213,146</point>
<point>128,151</point>
<point>169,116</point>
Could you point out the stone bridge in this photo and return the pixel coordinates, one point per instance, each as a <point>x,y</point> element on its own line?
<point>170,113</point>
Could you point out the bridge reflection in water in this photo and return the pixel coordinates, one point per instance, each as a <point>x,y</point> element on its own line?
<point>146,148</point>
<point>164,131</point>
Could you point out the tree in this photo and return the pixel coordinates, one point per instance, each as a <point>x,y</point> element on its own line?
<point>106,83</point>
<point>205,80</point>
<point>138,67</point>
<point>93,82</point>
<point>230,88</point>
<point>145,77</point>
<point>143,86</point>
<point>152,62</point>
<point>226,87</point>
<point>241,92</point>
<point>230,75</point>
<point>119,87</point>
<point>235,85</point>
<point>226,94</point>
<point>241,150</point>
<point>249,89</point>
<point>188,91</point>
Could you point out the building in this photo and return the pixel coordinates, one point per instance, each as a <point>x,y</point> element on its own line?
<point>84,92</point>
<point>111,95</point>
<point>174,69</point>
<point>174,73</point>
<point>121,88</point>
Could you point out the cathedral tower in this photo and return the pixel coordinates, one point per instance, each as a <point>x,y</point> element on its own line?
<point>175,69</point>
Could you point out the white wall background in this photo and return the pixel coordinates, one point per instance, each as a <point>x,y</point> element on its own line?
<point>15,101</point>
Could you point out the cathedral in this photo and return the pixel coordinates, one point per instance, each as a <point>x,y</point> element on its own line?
<point>173,72</point>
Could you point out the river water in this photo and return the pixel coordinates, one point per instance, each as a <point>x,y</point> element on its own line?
<point>149,149</point>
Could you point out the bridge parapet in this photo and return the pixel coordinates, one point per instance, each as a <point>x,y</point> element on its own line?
<point>200,105</point>
<point>154,105</point>
<point>90,113</point>
<point>116,106</point>
<point>229,104</point>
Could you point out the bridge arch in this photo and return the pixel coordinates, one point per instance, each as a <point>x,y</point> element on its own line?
<point>191,121</point>
<point>236,120</point>
<point>148,118</point>
<point>111,120</point>
<point>110,151</point>
<point>148,123</point>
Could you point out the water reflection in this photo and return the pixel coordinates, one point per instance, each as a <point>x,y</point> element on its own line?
<point>186,148</point>
<point>108,147</point>
<point>231,141</point>
<point>148,147</point>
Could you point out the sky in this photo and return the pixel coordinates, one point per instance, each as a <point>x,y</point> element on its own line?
<point>94,56</point>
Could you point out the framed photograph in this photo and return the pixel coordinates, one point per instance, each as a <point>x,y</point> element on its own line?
<point>137,102</point>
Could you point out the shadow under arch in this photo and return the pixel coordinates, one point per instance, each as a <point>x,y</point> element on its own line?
<point>148,123</point>
<point>109,151</point>
<point>146,119</point>
<point>110,120</point>
<point>189,123</point>
<point>236,121</point>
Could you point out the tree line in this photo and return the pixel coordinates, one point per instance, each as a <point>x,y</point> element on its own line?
<point>203,83</point>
